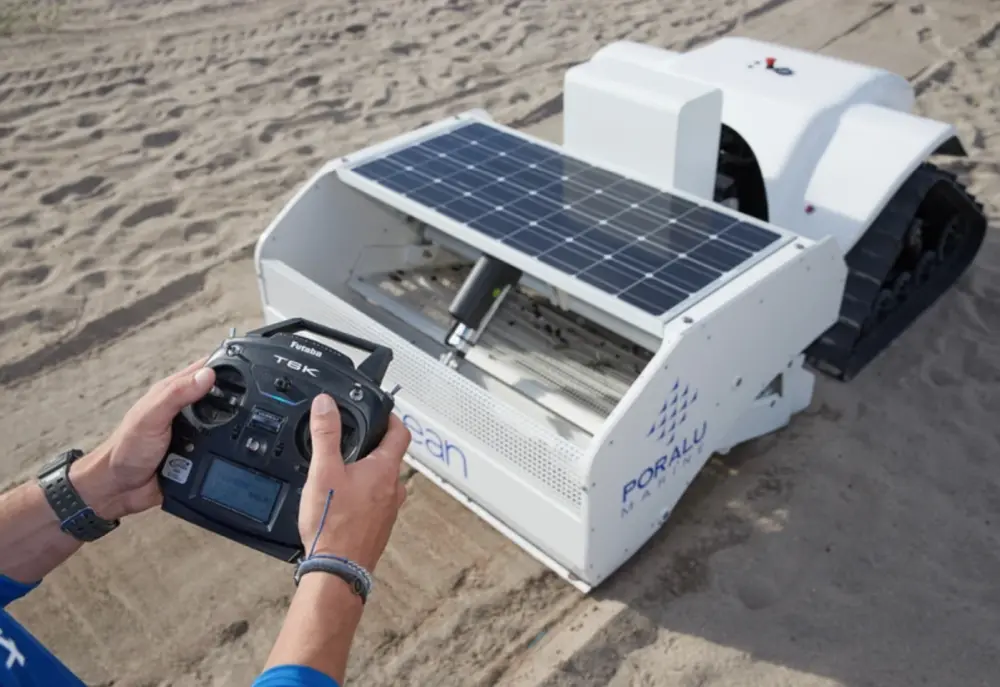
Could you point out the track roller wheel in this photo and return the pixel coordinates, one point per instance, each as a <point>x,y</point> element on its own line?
<point>949,237</point>
<point>884,304</point>
<point>901,286</point>
<point>925,267</point>
<point>915,238</point>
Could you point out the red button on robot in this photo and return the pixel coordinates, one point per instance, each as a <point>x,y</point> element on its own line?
<point>770,62</point>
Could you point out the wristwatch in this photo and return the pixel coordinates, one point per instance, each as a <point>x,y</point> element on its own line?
<point>76,518</point>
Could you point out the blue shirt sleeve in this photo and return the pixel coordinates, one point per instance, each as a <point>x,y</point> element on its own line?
<point>11,591</point>
<point>294,676</point>
<point>24,662</point>
<point>29,663</point>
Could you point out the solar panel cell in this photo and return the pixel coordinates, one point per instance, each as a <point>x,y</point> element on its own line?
<point>468,179</point>
<point>601,206</point>
<point>749,237</point>
<point>648,248</point>
<point>675,238</point>
<point>534,206</point>
<point>498,225</point>
<point>643,256</point>
<point>466,208</point>
<point>631,191</point>
<point>565,223</point>
<point>500,194</point>
<point>687,275</point>
<point>612,275</point>
<point>532,242</point>
<point>649,291</point>
<point>719,255</point>
<point>604,241</point>
<point>529,179</point>
<point>433,195</point>
<point>398,183</point>
<point>671,207</point>
<point>636,222</point>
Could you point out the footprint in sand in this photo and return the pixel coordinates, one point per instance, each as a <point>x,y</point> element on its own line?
<point>158,208</point>
<point>232,632</point>
<point>26,276</point>
<point>107,213</point>
<point>405,49</point>
<point>161,139</point>
<point>87,283</point>
<point>200,229</point>
<point>81,187</point>
<point>307,81</point>
<point>84,264</point>
<point>89,119</point>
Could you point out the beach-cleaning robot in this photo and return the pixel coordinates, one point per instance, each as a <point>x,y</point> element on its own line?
<point>577,328</point>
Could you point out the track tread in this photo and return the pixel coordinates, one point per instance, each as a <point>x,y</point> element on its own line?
<point>853,342</point>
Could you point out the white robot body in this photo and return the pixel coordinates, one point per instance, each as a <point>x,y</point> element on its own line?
<point>574,423</point>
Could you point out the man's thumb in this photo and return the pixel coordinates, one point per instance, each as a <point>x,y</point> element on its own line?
<point>324,428</point>
<point>181,392</point>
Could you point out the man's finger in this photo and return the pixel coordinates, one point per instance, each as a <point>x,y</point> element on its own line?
<point>324,428</point>
<point>182,390</point>
<point>190,369</point>
<point>400,495</point>
<point>394,443</point>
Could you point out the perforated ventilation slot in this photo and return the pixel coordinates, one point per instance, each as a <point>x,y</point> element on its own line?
<point>498,428</point>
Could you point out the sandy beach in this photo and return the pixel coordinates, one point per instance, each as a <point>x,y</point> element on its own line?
<point>146,144</point>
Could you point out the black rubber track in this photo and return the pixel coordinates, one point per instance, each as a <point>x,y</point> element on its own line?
<point>872,315</point>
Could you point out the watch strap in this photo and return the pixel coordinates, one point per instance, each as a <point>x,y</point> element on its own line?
<point>76,518</point>
<point>356,577</point>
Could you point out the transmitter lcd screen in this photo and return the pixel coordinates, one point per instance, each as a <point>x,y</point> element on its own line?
<point>241,490</point>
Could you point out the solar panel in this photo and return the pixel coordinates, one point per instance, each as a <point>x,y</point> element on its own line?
<point>648,248</point>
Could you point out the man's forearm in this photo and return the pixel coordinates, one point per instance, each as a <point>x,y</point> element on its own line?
<point>319,627</point>
<point>31,542</point>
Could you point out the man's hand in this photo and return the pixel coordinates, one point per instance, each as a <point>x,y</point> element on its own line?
<point>325,613</point>
<point>119,477</point>
<point>115,479</point>
<point>367,493</point>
